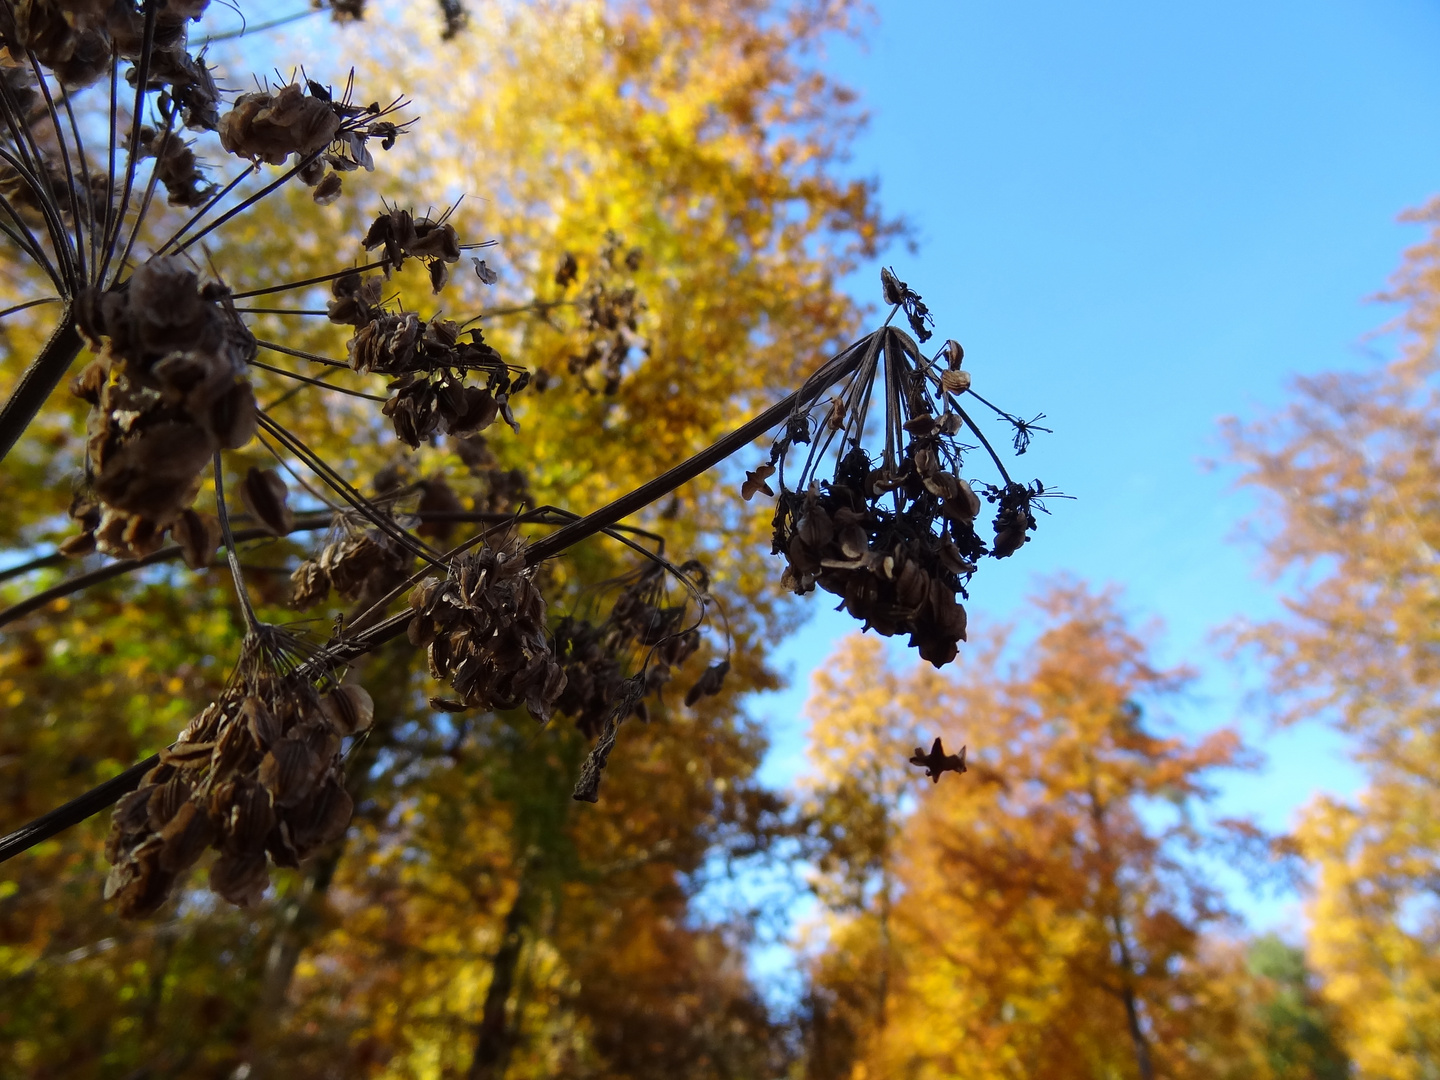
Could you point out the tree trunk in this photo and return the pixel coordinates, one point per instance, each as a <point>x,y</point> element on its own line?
<point>495,1033</point>
<point>1132,1007</point>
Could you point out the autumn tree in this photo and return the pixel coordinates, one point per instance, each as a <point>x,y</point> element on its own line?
<point>1348,475</point>
<point>1047,911</point>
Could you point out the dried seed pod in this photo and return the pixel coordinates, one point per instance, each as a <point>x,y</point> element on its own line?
<point>262,724</point>
<point>185,838</point>
<point>138,884</point>
<point>309,584</point>
<point>289,771</point>
<point>710,683</point>
<point>322,818</point>
<point>241,879</point>
<point>264,493</point>
<point>247,814</point>
<point>167,799</point>
<point>328,189</point>
<point>78,546</point>
<point>755,481</point>
<point>188,755</point>
<point>198,536</point>
<point>348,709</point>
<point>955,382</point>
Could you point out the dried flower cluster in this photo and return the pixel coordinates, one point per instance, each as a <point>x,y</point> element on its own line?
<point>595,658</point>
<point>76,40</point>
<point>256,775</point>
<point>892,533</point>
<point>166,392</point>
<point>427,358</point>
<point>355,562</point>
<point>483,626</point>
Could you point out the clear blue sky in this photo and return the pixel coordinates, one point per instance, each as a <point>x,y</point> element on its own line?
<point>1139,218</point>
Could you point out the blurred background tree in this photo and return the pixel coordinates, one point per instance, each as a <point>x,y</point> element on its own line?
<point>1348,475</point>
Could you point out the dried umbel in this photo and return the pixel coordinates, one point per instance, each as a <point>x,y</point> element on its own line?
<point>269,127</point>
<point>257,775</point>
<point>355,562</point>
<point>892,531</point>
<point>176,167</point>
<point>77,40</point>
<point>166,392</point>
<point>428,360</point>
<point>640,630</point>
<point>483,627</point>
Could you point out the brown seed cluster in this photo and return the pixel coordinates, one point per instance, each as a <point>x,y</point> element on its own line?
<point>166,392</point>
<point>892,571</point>
<point>428,362</point>
<point>270,126</point>
<point>595,657</point>
<point>484,630</point>
<point>306,121</point>
<point>401,235</point>
<point>892,532</point>
<point>257,775</point>
<point>354,563</point>
<point>176,167</point>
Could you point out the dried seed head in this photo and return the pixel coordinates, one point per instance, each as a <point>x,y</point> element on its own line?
<point>269,127</point>
<point>167,391</point>
<point>257,771</point>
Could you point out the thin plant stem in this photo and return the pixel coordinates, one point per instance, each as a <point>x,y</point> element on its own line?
<point>252,624</point>
<point>78,255</point>
<point>142,81</point>
<point>199,214</point>
<point>39,380</point>
<point>318,279</point>
<point>29,304</point>
<point>316,382</point>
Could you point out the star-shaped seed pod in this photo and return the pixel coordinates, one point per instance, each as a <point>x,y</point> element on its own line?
<point>937,761</point>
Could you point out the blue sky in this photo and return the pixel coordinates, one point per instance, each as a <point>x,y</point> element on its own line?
<point>1139,218</point>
